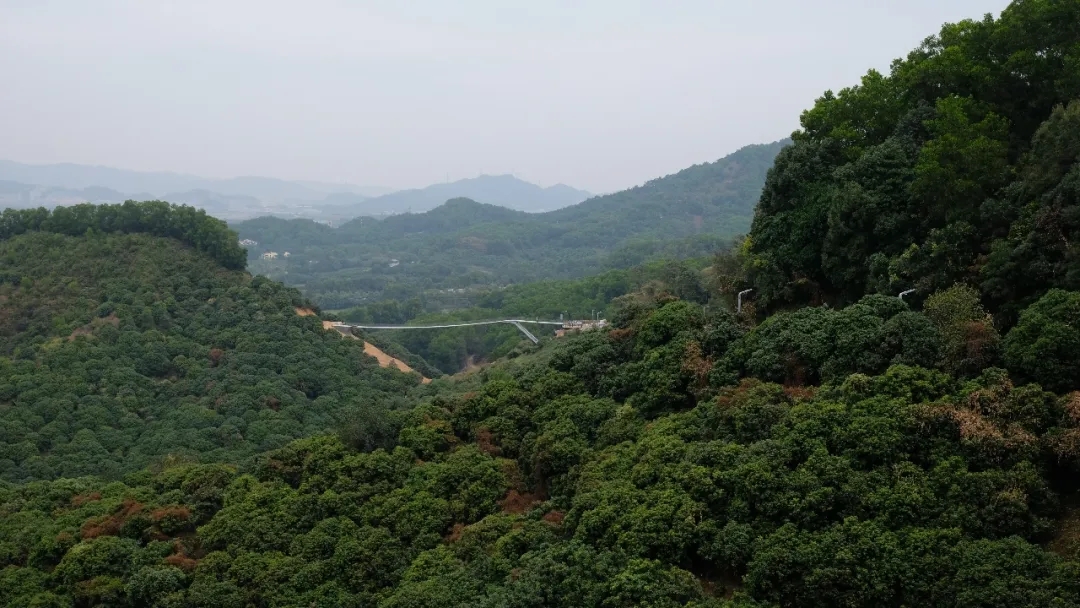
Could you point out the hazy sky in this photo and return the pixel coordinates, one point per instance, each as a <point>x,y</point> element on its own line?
<point>598,94</point>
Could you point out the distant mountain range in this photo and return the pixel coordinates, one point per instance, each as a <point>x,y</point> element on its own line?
<point>159,183</point>
<point>502,190</point>
<point>23,185</point>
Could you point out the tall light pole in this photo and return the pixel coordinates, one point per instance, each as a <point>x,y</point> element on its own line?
<point>738,302</point>
<point>906,292</point>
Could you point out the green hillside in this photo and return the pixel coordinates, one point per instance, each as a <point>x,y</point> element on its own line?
<point>961,164</point>
<point>464,245</point>
<point>652,465</point>
<point>119,350</point>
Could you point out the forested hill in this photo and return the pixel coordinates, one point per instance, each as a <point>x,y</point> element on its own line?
<point>721,193</point>
<point>661,464</point>
<point>186,224</point>
<point>962,164</point>
<point>120,349</point>
<point>464,244</point>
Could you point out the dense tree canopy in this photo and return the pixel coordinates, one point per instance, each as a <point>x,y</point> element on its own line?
<point>186,224</point>
<point>117,350</point>
<point>960,165</point>
<point>607,470</point>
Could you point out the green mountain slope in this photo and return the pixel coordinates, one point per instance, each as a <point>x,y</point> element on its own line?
<point>615,464</point>
<point>463,244</point>
<point>962,164</point>
<point>118,350</point>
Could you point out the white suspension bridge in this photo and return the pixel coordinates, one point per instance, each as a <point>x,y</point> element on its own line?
<point>518,323</point>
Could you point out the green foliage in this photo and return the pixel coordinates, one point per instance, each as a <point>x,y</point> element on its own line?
<point>959,165</point>
<point>1045,344</point>
<point>546,486</point>
<point>1037,253</point>
<point>971,342</point>
<point>817,344</point>
<point>858,563</point>
<point>186,224</point>
<point>118,350</point>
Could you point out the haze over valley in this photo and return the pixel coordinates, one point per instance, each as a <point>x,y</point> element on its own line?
<point>23,186</point>
<point>467,247</point>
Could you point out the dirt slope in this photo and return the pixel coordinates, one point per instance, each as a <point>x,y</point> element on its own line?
<point>386,360</point>
<point>371,350</point>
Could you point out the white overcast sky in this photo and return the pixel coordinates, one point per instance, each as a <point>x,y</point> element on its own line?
<point>598,94</point>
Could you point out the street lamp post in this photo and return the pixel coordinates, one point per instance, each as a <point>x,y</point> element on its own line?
<point>906,292</point>
<point>738,302</point>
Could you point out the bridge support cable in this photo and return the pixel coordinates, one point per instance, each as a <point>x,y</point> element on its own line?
<point>527,333</point>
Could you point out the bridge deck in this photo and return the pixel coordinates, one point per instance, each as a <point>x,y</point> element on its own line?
<point>518,323</point>
<point>446,325</point>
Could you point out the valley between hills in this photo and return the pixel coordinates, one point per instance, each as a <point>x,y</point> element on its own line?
<point>838,370</point>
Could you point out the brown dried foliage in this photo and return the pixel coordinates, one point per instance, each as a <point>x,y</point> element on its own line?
<point>696,365</point>
<point>979,338</point>
<point>185,555</point>
<point>1067,541</point>
<point>110,525</point>
<point>554,518</point>
<point>973,425</point>
<point>81,499</point>
<point>517,503</point>
<point>88,329</point>
<point>1066,446</point>
<point>989,400</point>
<point>800,393</point>
<point>183,562</point>
<point>455,533</point>
<point>1071,403</point>
<point>175,513</point>
<point>216,354</point>
<point>733,396</point>
<point>485,441</point>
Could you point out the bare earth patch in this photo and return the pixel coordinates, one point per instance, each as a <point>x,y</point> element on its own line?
<point>371,350</point>
<point>386,360</point>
